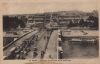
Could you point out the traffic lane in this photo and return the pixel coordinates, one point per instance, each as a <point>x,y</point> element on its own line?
<point>51,52</point>
<point>40,46</point>
<point>20,41</point>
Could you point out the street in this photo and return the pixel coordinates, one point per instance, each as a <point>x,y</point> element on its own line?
<point>40,44</point>
<point>51,52</point>
<point>20,41</point>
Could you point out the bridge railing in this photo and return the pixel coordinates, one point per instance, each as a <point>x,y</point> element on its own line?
<point>14,41</point>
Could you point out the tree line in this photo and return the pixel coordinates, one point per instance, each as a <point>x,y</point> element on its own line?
<point>11,23</point>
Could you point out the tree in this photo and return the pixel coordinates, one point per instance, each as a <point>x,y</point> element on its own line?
<point>95,19</point>
<point>10,23</point>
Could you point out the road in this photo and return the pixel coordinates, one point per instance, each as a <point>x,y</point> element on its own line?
<point>51,51</point>
<point>40,44</point>
<point>6,52</point>
<point>47,42</point>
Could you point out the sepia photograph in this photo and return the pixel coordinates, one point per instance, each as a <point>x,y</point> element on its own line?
<point>49,32</point>
<point>62,34</point>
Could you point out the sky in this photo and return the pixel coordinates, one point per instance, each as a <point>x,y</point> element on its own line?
<point>40,6</point>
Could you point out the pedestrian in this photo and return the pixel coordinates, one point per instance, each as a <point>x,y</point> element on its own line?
<point>35,53</point>
<point>35,49</point>
<point>61,54</point>
<point>42,54</point>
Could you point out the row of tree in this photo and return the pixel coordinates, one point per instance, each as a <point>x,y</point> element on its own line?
<point>91,22</point>
<point>11,23</point>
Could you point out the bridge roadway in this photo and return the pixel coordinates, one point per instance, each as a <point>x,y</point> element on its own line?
<point>20,41</point>
<point>40,44</point>
<point>51,51</point>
